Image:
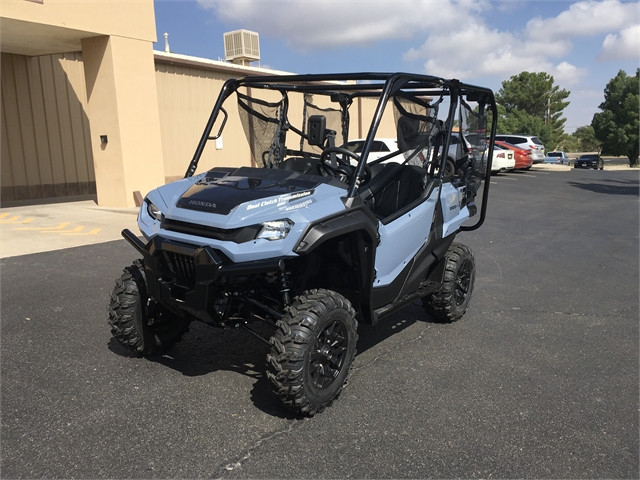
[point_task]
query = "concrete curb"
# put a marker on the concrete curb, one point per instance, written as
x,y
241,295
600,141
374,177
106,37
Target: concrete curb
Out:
x,y
566,168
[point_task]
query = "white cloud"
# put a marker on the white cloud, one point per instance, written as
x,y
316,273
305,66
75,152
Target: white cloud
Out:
x,y
622,46
331,24
584,19
567,74
458,40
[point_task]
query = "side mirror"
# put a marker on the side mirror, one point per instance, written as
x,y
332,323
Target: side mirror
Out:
x,y
316,130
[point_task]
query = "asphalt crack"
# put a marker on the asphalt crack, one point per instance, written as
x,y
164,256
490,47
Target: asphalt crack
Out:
x,y
229,467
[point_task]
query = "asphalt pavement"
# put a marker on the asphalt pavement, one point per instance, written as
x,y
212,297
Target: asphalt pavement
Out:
x,y
539,379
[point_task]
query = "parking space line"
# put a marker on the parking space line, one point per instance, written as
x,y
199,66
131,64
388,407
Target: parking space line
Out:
x,y
92,232
15,220
75,230
62,226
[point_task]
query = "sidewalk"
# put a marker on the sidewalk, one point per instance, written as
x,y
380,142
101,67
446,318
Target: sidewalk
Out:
x,y
566,168
44,228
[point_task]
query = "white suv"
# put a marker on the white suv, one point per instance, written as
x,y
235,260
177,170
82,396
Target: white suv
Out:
x,y
526,141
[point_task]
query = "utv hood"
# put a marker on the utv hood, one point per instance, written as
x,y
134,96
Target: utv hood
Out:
x,y
222,189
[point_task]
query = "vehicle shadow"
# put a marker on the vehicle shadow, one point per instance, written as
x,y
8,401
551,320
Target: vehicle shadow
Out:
x,y
613,187
205,350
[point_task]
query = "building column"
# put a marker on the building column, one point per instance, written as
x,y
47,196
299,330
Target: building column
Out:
x,y
122,105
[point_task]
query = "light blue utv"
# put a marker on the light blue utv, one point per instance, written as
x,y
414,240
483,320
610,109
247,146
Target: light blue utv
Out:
x,y
312,238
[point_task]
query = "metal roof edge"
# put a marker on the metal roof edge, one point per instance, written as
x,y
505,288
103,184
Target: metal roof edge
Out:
x,y
240,70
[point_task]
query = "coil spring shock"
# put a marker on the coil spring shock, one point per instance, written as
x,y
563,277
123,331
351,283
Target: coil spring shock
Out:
x,y
284,282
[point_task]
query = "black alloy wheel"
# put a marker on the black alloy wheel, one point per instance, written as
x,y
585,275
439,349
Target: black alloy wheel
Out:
x,y
312,351
328,355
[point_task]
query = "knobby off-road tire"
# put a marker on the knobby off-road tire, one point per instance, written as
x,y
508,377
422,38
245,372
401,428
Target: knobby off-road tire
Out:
x,y
312,351
129,317
450,301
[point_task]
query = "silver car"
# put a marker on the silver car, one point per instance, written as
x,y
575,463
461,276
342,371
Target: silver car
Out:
x,y
528,142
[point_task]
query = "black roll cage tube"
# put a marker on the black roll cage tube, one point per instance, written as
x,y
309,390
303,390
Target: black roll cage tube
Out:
x,y
422,84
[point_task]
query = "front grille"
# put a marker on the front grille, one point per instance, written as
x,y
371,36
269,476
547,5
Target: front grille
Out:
x,y
236,235
181,267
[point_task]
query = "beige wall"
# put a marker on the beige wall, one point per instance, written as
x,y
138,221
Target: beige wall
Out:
x,y
186,96
46,150
122,105
58,26
116,39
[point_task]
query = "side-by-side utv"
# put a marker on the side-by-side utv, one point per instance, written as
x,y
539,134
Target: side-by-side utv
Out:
x,y
313,237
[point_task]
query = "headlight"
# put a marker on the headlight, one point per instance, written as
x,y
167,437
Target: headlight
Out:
x,y
154,211
276,230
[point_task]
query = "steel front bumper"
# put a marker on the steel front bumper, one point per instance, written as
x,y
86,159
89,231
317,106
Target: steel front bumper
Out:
x,y
187,277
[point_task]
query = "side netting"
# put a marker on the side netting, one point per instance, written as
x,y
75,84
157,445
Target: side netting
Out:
x,y
419,133
336,121
264,124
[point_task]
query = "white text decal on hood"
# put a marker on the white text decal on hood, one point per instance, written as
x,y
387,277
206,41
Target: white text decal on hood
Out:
x,y
281,200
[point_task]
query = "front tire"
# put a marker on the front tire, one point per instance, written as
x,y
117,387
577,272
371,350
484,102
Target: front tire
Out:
x,y
449,303
312,351
142,331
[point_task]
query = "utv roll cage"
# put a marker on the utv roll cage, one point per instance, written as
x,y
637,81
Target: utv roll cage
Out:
x,y
343,89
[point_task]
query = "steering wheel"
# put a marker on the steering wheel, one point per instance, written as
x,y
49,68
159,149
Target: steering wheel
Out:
x,y
344,167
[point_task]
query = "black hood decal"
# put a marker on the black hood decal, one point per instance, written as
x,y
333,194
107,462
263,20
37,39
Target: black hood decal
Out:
x,y
222,189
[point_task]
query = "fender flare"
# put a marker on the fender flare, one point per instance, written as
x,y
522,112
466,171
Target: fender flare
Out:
x,y
361,225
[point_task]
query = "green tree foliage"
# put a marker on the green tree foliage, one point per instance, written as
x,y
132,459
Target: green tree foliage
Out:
x,y
586,139
582,140
531,104
617,126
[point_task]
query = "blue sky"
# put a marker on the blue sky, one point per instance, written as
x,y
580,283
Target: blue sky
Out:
x,y
583,44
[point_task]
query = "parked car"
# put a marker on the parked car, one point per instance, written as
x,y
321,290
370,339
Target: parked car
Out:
x,y
502,161
388,147
523,157
590,160
380,148
526,141
558,158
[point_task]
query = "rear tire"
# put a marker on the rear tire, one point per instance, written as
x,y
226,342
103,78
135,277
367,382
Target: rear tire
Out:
x,y
141,331
312,351
450,301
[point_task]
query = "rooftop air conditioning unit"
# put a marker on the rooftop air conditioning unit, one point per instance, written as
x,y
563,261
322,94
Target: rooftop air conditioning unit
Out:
x,y
241,47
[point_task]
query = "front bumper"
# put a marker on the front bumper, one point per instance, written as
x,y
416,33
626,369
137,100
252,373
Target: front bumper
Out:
x,y
188,277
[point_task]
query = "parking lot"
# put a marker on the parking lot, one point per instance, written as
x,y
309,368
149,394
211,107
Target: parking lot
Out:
x,y
539,379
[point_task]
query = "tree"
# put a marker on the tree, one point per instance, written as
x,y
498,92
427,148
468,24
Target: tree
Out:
x,y
533,105
582,140
586,139
522,122
617,126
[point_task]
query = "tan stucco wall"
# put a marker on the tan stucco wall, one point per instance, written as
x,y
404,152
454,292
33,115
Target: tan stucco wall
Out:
x,y
57,26
122,104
